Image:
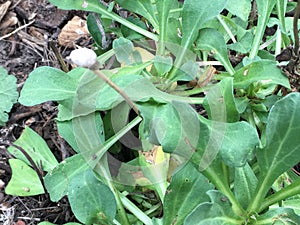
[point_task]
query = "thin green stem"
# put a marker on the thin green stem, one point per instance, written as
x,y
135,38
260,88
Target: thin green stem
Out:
x,y
281,8
126,23
117,88
289,191
193,91
260,193
102,169
264,11
227,29
222,185
135,210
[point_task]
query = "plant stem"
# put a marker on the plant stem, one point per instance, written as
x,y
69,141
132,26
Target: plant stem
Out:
x,y
295,28
102,169
221,184
260,193
227,29
264,11
126,23
117,88
135,210
289,191
28,157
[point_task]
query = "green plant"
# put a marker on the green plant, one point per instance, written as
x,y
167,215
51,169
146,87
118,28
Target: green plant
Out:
x,y
229,165
8,94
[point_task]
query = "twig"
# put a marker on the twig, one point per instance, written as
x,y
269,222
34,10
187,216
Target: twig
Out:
x,y
295,29
28,157
17,30
117,88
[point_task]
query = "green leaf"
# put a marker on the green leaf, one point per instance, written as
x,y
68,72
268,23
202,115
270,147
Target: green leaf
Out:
x,y
279,216
123,49
36,148
57,181
282,148
48,223
136,87
163,9
245,183
240,8
264,8
91,201
162,64
94,30
141,7
222,95
187,71
236,149
194,14
65,129
264,70
282,144
187,189
96,6
243,45
292,203
131,34
8,94
47,83
211,40
161,125
24,180
89,135
216,212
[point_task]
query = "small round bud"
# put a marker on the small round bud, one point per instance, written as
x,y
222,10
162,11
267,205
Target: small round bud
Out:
x,y
83,57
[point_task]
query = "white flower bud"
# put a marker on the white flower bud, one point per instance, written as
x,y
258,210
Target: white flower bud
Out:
x,y
83,57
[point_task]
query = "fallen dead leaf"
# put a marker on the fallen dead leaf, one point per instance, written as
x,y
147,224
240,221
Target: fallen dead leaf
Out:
x,y
72,31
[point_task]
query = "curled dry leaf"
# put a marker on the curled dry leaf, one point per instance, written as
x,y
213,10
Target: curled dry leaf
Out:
x,y
7,19
3,9
72,31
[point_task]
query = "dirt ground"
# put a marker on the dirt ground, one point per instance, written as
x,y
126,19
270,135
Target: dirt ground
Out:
x,y
29,39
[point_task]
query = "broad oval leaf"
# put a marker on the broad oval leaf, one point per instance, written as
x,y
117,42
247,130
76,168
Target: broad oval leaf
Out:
x,y
187,189
91,200
263,70
47,84
236,149
216,212
57,181
24,180
282,150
